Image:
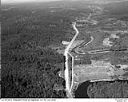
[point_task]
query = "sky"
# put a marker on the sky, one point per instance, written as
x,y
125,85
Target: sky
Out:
x,y
17,1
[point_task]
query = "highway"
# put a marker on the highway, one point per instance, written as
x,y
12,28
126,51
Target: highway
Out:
x,y
67,54
66,61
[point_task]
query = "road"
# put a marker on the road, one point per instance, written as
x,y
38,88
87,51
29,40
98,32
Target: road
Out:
x,y
82,44
66,61
67,54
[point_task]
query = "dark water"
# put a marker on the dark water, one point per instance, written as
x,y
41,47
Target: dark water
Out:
x,y
81,91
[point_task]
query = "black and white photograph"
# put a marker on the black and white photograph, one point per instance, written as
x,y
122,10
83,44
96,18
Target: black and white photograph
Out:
x,y
64,49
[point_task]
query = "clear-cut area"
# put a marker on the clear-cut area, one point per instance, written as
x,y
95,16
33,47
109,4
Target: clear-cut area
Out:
x,y
98,52
98,70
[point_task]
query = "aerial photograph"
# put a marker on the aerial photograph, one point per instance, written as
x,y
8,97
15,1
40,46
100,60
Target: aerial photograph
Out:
x,y
72,49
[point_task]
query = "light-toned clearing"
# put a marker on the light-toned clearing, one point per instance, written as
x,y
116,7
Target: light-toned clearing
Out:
x,y
106,42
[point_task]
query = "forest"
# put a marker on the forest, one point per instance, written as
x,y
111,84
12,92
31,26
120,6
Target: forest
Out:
x,y
113,89
28,65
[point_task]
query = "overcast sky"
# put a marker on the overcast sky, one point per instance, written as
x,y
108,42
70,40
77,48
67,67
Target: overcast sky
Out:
x,y
14,1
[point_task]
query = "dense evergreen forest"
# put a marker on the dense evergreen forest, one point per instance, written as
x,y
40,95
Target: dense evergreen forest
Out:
x,y
28,64
113,89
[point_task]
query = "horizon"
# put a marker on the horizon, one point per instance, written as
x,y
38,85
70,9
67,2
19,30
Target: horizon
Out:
x,y
24,1
37,1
